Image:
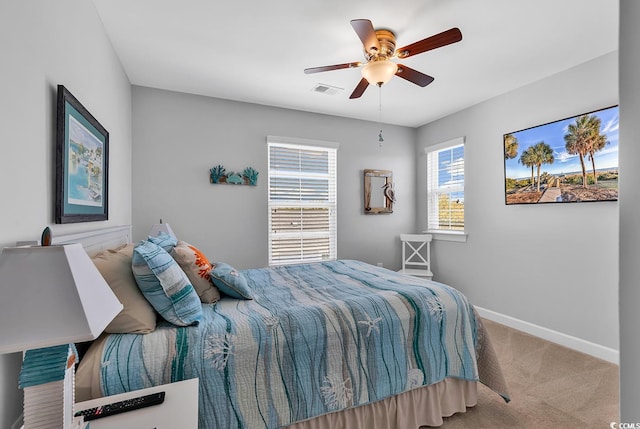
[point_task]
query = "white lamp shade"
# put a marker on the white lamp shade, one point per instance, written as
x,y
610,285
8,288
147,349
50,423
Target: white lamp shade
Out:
x,y
51,295
157,228
379,72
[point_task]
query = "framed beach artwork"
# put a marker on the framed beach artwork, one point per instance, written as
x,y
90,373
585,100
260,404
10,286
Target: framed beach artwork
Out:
x,y
82,163
565,161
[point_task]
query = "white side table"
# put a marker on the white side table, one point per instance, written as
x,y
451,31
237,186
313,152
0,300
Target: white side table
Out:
x,y
179,409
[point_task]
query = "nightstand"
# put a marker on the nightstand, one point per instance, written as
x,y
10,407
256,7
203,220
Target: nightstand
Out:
x,y
179,409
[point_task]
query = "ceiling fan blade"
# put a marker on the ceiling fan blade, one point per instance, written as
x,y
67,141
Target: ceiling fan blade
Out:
x,y
445,38
334,67
413,76
366,33
362,86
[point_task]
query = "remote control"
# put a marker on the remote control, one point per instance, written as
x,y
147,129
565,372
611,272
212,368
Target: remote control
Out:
x,y
121,406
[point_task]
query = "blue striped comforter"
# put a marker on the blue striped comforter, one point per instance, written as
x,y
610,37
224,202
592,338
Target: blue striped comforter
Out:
x,y
317,338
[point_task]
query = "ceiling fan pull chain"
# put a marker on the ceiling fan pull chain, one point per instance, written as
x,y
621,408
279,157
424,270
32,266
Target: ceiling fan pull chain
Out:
x,y
380,138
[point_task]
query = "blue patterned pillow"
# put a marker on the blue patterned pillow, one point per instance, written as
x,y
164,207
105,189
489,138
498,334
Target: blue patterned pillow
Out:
x,y
165,285
164,240
230,281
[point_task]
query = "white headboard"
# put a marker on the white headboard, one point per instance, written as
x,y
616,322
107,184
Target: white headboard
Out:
x,y
97,240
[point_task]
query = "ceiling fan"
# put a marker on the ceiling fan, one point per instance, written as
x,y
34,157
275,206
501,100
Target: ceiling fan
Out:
x,y
379,47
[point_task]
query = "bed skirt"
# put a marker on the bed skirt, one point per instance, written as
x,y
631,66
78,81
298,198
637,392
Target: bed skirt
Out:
x,y
425,406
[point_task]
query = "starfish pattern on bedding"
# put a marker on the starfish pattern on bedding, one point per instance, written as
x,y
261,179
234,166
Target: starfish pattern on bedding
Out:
x,y
371,323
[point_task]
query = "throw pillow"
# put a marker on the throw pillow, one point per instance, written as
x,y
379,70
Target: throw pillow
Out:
x,y
165,285
137,317
163,240
197,267
230,281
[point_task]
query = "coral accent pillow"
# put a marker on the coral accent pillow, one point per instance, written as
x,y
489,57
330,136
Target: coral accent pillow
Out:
x,y
197,267
165,285
137,317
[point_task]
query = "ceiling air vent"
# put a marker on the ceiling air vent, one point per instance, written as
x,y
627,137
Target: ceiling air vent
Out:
x,y
323,88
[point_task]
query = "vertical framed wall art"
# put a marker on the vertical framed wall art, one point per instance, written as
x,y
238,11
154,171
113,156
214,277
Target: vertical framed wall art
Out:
x,y
379,194
82,163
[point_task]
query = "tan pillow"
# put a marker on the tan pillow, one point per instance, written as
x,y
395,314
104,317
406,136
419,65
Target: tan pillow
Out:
x,y
138,316
197,267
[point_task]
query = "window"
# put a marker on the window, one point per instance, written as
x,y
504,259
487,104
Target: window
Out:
x,y
302,200
445,186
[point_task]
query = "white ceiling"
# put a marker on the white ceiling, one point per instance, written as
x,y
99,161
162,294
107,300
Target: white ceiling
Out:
x,y
256,50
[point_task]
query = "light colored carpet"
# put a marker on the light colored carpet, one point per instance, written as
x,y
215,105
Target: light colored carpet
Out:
x,y
551,387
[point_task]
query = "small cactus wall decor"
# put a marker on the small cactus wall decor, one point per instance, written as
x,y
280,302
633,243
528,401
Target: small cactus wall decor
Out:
x,y
219,175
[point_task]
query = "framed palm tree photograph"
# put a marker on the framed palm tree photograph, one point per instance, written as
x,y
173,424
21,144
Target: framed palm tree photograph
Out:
x,y
566,161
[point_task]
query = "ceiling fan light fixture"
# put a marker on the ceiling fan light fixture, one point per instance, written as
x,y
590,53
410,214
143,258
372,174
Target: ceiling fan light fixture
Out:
x,y
379,72
379,47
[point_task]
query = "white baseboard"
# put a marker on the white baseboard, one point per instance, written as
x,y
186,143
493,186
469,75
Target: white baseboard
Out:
x,y
575,343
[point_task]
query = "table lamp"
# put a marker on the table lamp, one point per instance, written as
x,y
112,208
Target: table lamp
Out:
x,y
50,298
157,228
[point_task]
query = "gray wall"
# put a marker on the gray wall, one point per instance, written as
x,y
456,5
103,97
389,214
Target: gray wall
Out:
x,y
179,137
629,208
43,44
551,265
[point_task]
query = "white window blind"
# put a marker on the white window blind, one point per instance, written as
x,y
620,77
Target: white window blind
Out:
x,y
445,186
302,202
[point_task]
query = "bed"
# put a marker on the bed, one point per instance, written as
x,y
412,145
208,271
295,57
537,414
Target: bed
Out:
x,y
330,344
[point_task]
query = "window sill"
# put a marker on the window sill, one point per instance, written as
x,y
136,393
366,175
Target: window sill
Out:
x,y
459,237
